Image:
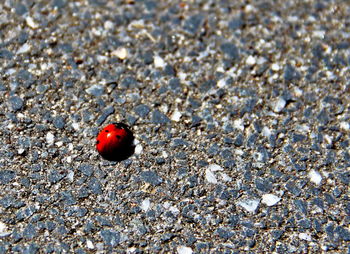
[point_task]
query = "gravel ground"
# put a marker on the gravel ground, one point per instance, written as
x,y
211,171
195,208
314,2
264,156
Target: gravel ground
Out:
x,y
240,112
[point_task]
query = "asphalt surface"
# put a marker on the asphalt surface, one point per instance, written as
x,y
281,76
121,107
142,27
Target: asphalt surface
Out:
x,y
240,112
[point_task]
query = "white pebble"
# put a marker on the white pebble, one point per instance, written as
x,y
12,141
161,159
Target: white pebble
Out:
x,y
279,105
238,124
138,149
70,175
266,132
270,199
225,177
221,83
3,230
210,176
108,25
176,115
275,67
50,138
250,60
21,151
24,49
89,244
250,205
146,204
305,236
315,177
31,23
345,126
215,167
184,250
159,62
121,52
76,126
298,92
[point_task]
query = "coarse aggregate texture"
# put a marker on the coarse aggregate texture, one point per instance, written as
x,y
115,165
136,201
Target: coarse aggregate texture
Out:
x,y
240,110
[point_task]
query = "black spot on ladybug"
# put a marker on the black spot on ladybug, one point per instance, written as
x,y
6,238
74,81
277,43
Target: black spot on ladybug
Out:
x,y
117,136
106,130
97,142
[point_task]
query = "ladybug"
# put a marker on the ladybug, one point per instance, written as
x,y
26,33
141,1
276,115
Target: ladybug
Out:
x,y
115,142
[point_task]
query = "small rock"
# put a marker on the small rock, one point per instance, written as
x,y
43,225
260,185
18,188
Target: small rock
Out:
x,y
159,62
110,238
31,23
250,205
345,126
230,50
16,103
146,204
89,244
279,105
95,90
159,118
25,48
209,175
315,177
275,67
176,115
151,177
270,199
7,176
3,230
142,110
184,250
250,60
50,138
121,52
305,236
193,24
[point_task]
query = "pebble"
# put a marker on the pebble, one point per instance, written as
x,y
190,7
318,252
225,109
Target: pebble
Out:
x,y
159,62
6,176
275,67
31,23
121,52
315,177
184,250
25,48
176,116
270,199
193,24
50,138
151,177
279,105
305,236
110,237
16,103
250,205
3,230
145,205
159,118
230,50
95,90
250,60
142,110
210,176
345,126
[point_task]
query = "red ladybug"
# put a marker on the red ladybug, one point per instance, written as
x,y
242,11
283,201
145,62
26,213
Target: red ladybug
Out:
x,y
115,142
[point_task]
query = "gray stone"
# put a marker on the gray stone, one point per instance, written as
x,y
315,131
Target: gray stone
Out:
x,y
110,238
151,177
